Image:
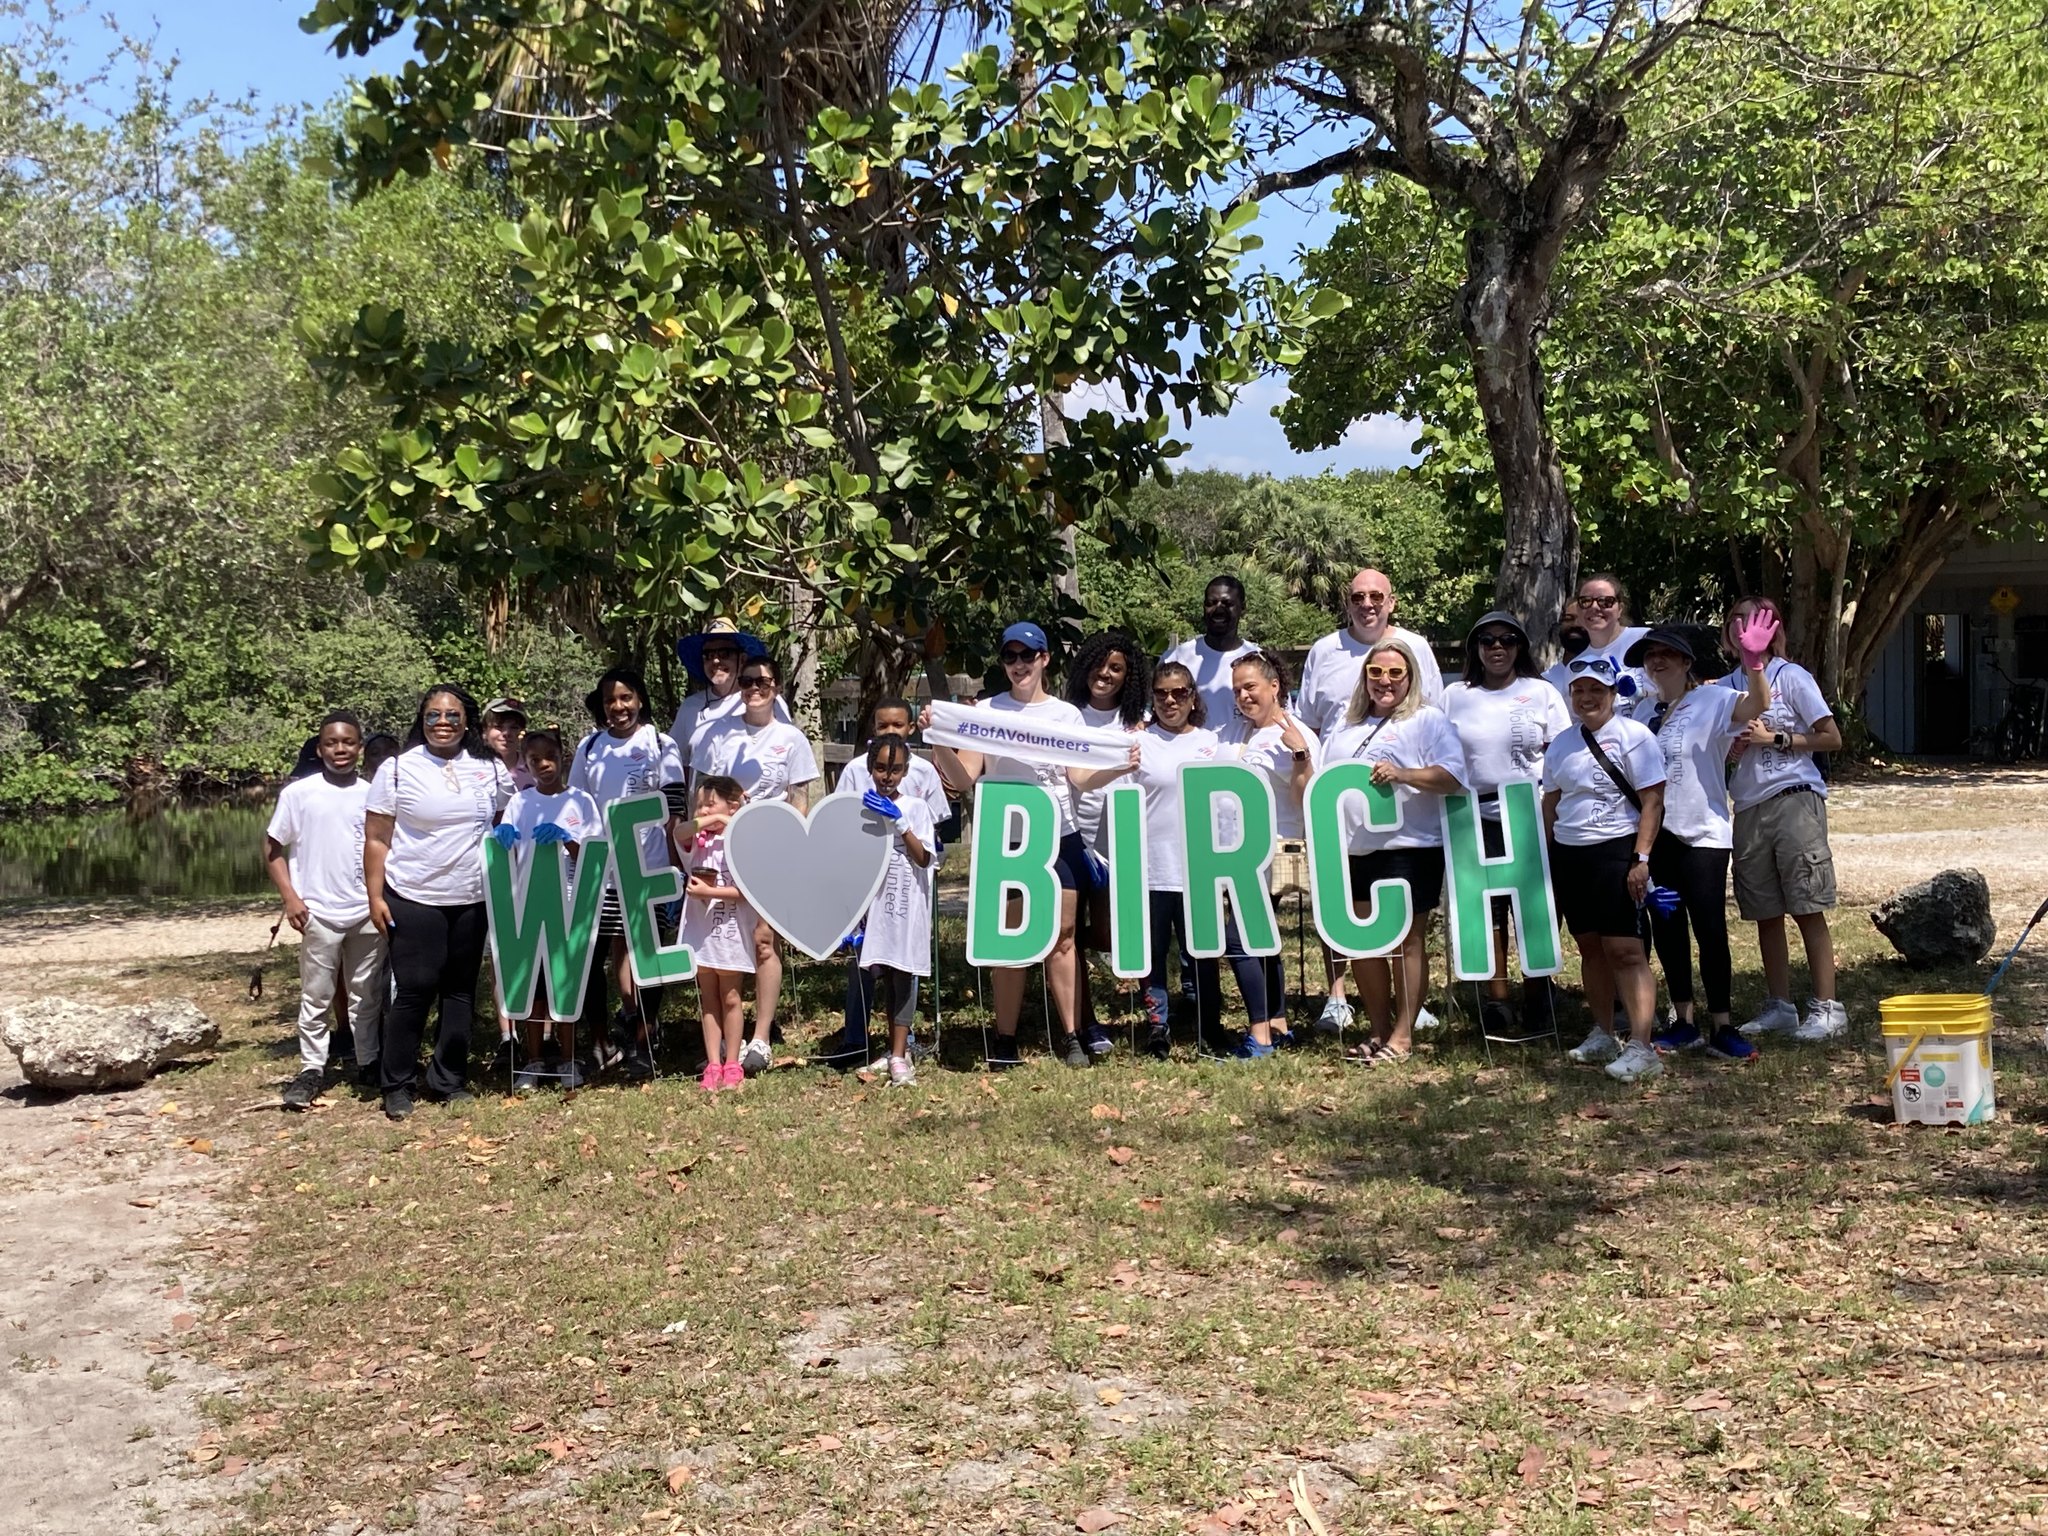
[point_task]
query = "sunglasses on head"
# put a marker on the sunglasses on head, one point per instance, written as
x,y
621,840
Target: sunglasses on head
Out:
x,y
1596,667
1012,658
1386,674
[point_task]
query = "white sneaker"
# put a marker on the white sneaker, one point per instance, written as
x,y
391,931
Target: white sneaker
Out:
x,y
1425,1021
1779,1017
1636,1062
1335,1017
901,1073
1823,1022
754,1057
1595,1050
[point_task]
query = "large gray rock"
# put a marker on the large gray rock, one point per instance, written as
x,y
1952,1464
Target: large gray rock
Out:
x,y
1939,921
65,1044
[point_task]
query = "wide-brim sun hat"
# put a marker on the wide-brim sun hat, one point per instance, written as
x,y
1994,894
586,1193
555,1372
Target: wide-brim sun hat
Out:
x,y
690,649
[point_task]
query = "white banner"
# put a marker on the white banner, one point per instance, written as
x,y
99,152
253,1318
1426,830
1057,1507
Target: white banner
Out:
x,y
1014,733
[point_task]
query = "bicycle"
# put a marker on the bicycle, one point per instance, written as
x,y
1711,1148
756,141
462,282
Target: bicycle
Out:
x,y
2020,730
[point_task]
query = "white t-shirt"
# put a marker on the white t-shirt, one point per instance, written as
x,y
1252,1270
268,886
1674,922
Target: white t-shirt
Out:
x,y
698,714
720,933
1591,807
1614,650
1211,669
921,781
1425,739
768,760
1088,804
611,768
1049,713
320,826
1694,739
1330,675
1797,705
1504,731
440,809
573,810
899,925
1160,756
1264,750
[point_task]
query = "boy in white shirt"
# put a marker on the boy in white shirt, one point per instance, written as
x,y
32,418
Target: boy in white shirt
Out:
x,y
313,851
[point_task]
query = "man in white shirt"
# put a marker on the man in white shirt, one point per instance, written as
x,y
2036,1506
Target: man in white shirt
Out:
x,y
1209,655
1328,679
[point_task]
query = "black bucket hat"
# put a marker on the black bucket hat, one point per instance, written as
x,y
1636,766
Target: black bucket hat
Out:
x,y
1501,617
1670,636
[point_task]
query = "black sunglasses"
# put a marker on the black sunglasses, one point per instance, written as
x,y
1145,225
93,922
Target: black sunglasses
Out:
x,y
1015,658
1496,639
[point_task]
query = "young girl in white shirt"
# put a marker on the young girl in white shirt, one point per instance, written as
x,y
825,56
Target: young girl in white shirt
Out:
x,y
718,925
896,947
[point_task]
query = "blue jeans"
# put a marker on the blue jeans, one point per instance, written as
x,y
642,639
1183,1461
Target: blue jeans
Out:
x,y
1257,978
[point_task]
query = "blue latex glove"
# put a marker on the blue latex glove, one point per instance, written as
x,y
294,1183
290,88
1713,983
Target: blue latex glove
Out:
x,y
549,832
1098,871
882,805
505,836
1662,900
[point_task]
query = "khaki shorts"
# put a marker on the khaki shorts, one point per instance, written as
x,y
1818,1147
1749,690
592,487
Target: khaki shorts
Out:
x,y
1783,866
1289,870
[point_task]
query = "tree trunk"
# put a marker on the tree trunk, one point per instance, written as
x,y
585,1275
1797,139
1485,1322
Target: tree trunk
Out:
x,y
1502,309
806,626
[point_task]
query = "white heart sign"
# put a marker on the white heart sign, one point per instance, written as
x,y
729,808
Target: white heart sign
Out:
x,y
814,878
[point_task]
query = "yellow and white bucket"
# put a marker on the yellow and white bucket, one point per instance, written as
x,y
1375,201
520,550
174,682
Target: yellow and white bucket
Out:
x,y
1938,1055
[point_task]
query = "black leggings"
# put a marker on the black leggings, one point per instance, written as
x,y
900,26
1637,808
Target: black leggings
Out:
x,y
1169,917
436,952
1700,876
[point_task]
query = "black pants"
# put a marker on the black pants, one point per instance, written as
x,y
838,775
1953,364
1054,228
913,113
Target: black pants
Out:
x,y
1700,876
436,953
1202,979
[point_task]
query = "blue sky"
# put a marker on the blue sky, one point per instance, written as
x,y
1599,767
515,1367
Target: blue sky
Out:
x,y
238,49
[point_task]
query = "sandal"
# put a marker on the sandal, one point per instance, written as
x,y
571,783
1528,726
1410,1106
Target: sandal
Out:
x,y
1389,1055
1363,1055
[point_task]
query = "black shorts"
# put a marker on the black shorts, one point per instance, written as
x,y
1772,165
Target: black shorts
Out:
x,y
1071,864
1591,881
1422,868
1490,838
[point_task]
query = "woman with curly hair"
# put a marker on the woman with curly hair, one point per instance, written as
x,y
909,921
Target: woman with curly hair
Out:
x,y
1110,682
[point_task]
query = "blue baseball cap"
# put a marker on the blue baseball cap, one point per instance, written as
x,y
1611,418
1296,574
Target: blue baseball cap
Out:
x,y
1026,633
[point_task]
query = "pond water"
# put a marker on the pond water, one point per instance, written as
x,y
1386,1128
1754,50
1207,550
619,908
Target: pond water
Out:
x,y
176,853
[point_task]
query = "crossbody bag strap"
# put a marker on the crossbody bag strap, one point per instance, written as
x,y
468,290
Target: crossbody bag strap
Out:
x,y
1600,756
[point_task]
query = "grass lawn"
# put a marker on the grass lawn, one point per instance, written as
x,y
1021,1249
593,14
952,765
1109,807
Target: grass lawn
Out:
x,y
1445,1297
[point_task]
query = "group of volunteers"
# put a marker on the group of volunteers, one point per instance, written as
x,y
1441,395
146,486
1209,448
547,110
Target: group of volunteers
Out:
x,y
1664,755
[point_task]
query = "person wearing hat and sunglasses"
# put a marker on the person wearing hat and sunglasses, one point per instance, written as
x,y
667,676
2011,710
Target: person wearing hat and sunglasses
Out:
x,y
1694,727
1025,655
713,657
1505,714
504,734
1603,800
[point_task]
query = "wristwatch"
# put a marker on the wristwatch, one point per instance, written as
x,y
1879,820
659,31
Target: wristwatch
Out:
x,y
1301,756
1782,740
1642,858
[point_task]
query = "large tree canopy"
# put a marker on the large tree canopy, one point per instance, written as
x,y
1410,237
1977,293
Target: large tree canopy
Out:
x,y
777,342
1801,345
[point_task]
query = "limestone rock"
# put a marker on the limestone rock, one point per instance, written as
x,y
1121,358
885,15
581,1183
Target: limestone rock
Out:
x,y
1939,921
62,1043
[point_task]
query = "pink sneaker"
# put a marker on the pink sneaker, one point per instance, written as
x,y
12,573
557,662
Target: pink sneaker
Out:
x,y
713,1078
731,1075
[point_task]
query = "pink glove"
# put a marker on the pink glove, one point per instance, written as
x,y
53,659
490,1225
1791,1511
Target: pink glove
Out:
x,y
1754,637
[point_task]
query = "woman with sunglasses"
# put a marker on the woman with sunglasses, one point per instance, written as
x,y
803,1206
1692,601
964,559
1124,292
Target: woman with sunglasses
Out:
x,y
1267,738
423,827
1413,749
627,755
1694,727
1109,684
1178,735
1602,613
712,657
1603,801
771,760
1784,866
1024,656
1505,715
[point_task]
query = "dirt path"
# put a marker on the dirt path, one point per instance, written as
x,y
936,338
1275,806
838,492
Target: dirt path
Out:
x,y
99,1197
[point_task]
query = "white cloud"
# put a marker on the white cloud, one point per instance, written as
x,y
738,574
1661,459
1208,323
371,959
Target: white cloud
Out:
x,y
1250,441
